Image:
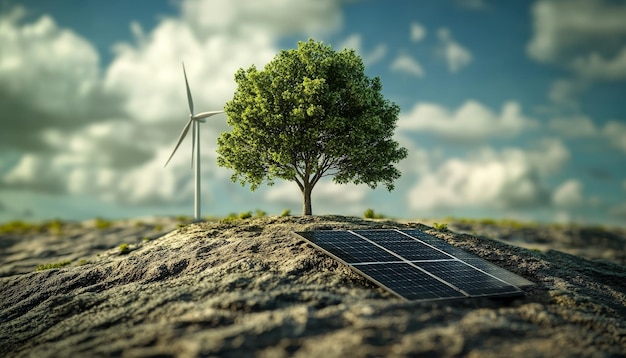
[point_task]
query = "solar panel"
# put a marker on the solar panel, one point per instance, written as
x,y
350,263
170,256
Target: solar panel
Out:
x,y
470,259
414,265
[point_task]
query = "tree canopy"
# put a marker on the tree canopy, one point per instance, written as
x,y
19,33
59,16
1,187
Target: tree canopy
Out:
x,y
311,112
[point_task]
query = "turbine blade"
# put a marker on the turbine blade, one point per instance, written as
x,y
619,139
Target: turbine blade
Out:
x,y
180,139
189,99
193,143
206,114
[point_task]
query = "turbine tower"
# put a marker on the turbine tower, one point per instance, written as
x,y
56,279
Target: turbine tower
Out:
x,y
194,122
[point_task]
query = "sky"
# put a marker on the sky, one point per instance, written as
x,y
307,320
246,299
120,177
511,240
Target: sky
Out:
x,y
509,109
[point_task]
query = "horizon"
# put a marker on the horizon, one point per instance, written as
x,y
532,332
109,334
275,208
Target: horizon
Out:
x,y
508,110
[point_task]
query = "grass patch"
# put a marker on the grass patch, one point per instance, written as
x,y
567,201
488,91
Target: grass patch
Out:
x,y
371,214
286,212
124,249
103,224
245,215
440,227
51,266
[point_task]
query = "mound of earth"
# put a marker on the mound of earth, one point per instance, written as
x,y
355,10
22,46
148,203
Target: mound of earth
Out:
x,y
253,288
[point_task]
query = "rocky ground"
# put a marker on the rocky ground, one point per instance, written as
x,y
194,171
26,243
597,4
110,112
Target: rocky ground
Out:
x,y
252,288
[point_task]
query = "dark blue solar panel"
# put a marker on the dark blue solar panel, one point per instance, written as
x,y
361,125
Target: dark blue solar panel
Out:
x,y
415,265
408,281
405,246
471,259
475,283
498,272
348,247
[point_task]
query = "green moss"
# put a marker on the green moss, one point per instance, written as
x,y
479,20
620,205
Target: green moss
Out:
x,y
440,227
245,215
371,214
124,249
184,219
103,223
15,227
146,239
82,262
53,265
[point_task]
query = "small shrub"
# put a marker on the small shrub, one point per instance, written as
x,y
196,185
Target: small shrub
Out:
x,y
124,249
15,227
260,213
245,215
183,219
158,227
286,212
440,227
370,214
181,225
55,226
53,265
139,224
146,239
487,221
102,223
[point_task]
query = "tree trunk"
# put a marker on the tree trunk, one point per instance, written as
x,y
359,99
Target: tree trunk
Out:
x,y
306,206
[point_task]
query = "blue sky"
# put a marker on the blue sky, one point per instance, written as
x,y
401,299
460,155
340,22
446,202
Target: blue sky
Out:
x,y
509,109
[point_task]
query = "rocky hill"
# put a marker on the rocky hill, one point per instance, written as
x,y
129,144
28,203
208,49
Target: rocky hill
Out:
x,y
253,288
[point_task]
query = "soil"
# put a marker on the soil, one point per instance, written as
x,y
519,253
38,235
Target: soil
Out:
x,y
253,288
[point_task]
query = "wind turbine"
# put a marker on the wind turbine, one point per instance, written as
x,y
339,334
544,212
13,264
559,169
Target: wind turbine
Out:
x,y
194,123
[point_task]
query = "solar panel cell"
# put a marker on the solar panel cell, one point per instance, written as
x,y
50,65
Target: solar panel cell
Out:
x,y
348,247
466,278
471,259
408,281
406,247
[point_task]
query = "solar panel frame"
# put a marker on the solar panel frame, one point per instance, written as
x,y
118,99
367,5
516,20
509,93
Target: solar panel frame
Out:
x,y
424,273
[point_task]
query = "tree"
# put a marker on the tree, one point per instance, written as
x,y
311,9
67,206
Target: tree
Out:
x,y
311,112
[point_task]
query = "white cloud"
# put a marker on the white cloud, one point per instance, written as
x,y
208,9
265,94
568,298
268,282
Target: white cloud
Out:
x,y
512,178
418,32
584,36
119,156
569,194
407,64
49,77
615,132
575,126
355,41
274,17
564,28
471,122
456,56
565,91
596,66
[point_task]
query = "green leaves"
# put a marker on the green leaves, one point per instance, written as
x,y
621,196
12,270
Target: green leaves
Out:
x,y
310,112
